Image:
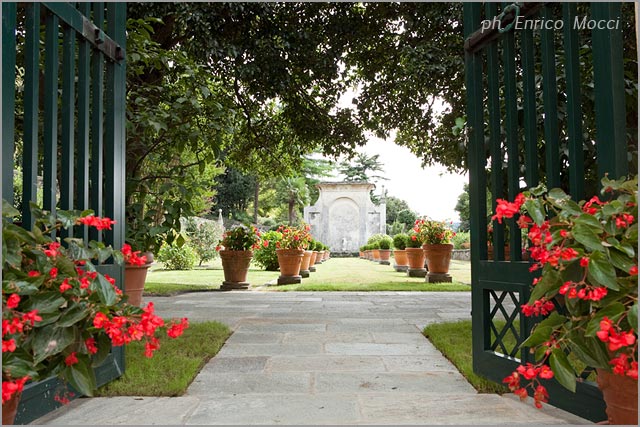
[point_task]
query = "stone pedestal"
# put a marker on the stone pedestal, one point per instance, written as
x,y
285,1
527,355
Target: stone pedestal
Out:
x,y
289,280
401,268
305,273
312,269
417,272
438,278
232,286
385,263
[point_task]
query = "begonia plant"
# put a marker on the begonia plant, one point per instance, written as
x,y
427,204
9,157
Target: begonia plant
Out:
x,y
587,255
60,315
432,232
241,238
294,237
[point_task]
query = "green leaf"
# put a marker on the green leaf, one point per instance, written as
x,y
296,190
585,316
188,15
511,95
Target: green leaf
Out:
x,y
590,220
17,366
26,288
103,342
47,302
562,369
543,330
601,271
588,351
535,209
51,340
73,315
588,237
612,311
620,260
633,314
9,211
81,376
105,291
550,281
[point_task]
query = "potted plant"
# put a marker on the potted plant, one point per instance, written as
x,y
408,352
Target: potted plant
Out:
x,y
290,252
60,316
135,274
266,255
361,252
385,250
327,251
587,255
319,249
236,252
399,252
314,255
415,256
436,243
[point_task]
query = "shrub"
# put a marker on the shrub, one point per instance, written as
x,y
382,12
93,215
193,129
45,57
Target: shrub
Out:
x,y
377,237
266,256
400,241
318,246
460,239
385,243
203,238
177,258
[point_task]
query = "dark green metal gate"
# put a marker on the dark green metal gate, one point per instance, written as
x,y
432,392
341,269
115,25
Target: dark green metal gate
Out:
x,y
63,124
532,91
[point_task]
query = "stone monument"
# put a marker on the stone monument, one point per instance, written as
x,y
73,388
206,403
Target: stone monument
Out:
x,y
344,217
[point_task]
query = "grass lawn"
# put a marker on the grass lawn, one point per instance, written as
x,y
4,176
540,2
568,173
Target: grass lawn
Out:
x,y
454,341
173,367
336,274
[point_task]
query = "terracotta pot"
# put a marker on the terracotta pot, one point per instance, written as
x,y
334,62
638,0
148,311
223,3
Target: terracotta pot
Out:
x,y
320,257
326,255
438,257
415,258
400,257
507,253
235,265
306,261
134,278
10,409
314,256
361,254
385,254
290,261
621,396
376,255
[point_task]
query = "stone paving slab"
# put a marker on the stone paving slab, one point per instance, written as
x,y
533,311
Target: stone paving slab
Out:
x,y
340,358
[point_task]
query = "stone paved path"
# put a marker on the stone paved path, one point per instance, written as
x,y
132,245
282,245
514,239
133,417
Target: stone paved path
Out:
x,y
319,358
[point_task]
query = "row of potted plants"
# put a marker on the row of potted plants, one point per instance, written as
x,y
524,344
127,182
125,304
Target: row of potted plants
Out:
x,y
60,315
297,253
428,240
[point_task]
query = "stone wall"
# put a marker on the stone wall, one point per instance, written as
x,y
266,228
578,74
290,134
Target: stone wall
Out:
x,y
461,254
344,216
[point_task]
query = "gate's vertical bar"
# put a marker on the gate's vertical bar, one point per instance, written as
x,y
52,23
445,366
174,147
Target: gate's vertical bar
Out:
x,y
495,137
477,176
31,108
574,110
550,99
82,136
97,129
115,127
513,154
529,109
68,120
50,112
609,92
8,96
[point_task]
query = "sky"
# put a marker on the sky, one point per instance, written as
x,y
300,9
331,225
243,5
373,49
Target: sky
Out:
x,y
430,191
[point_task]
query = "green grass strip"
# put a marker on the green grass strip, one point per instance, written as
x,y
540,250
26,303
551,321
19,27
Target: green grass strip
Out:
x,y
173,367
454,342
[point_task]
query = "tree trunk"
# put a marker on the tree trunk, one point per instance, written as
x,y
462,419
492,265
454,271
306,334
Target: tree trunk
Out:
x,y
292,205
256,194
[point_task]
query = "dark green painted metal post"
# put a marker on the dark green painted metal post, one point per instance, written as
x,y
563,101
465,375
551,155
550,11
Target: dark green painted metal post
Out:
x,y
68,107
550,97
97,120
477,178
529,109
31,111
574,110
8,97
609,91
50,172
